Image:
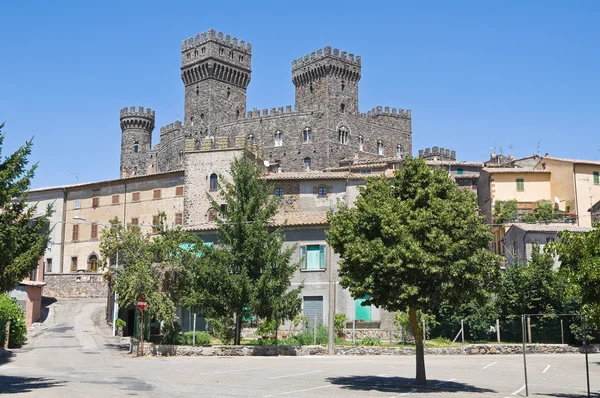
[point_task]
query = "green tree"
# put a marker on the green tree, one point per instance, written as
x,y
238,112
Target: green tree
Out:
x,y
24,235
156,267
505,210
579,254
544,210
249,273
413,243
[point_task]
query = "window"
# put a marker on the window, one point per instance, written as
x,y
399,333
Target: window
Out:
x,y
135,197
313,257
214,182
223,207
94,234
48,265
515,250
307,164
212,215
343,86
73,264
178,218
134,222
156,194
93,263
399,151
115,199
313,310
221,51
366,171
95,202
179,191
379,147
343,136
548,240
307,135
342,107
155,226
228,93
136,147
75,232
520,185
279,192
596,178
361,312
361,143
459,171
77,204
322,192
278,139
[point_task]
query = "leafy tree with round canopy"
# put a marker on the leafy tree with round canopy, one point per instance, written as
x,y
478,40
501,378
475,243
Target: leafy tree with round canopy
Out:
x,y
413,243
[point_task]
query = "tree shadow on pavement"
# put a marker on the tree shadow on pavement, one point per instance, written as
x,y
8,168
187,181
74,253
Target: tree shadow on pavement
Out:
x,y
563,395
403,384
19,384
46,302
117,346
5,356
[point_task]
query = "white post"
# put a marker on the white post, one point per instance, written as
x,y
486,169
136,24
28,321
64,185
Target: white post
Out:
x,y
315,330
498,330
462,330
115,315
194,331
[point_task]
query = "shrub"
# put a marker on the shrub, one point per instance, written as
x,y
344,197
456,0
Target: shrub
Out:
x,y
172,333
339,323
322,334
120,324
9,309
305,338
370,341
223,329
266,329
202,338
291,341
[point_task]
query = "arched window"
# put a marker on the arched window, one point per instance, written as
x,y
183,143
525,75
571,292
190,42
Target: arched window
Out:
x,y
192,120
307,164
214,182
136,147
361,143
279,192
322,192
399,151
307,135
93,262
343,135
379,147
343,86
278,139
342,107
228,93
212,215
251,138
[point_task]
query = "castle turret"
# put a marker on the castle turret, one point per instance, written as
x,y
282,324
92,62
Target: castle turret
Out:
x,y
215,71
327,80
136,140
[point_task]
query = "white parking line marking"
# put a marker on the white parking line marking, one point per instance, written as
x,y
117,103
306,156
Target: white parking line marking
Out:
x,y
295,391
406,393
519,390
487,366
225,371
444,382
295,374
545,370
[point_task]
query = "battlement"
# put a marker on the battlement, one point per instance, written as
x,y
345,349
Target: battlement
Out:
x,y
324,53
217,37
170,127
208,144
437,153
141,112
266,112
386,111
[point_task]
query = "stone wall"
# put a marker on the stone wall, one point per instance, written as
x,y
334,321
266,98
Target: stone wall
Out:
x,y
90,285
473,349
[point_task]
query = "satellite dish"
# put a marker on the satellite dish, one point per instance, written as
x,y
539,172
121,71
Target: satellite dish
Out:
x,y
266,163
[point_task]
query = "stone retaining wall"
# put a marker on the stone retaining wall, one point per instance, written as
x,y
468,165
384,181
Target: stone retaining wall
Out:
x,y
474,349
90,285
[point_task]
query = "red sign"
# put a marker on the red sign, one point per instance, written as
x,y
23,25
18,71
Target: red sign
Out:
x,y
142,304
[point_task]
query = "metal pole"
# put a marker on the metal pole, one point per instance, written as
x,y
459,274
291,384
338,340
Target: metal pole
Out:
x,y
194,331
462,331
141,349
562,334
524,332
587,365
498,330
528,329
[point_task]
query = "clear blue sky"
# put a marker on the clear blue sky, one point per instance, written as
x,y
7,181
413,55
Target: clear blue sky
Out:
x,y
513,75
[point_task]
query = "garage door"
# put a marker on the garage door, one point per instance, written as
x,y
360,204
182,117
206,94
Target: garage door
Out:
x,y
313,309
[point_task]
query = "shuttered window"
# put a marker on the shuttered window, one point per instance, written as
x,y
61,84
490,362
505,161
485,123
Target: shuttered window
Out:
x,y
135,221
313,257
178,218
179,191
95,202
94,234
154,224
156,194
75,232
73,264
596,178
135,197
520,185
115,199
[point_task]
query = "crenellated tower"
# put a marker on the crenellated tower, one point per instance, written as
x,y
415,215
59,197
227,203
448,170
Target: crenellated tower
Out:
x,y
136,140
215,71
327,80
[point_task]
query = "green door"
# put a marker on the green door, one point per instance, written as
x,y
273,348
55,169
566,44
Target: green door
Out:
x,y
362,312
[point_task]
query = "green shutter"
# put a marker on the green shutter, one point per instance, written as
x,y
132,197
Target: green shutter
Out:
x,y
520,185
303,257
322,257
360,311
596,178
459,171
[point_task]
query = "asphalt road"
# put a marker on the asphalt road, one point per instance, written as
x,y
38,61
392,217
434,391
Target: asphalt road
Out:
x,y
74,355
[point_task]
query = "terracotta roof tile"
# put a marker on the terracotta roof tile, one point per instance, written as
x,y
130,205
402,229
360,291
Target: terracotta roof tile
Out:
x,y
552,227
312,176
283,219
499,170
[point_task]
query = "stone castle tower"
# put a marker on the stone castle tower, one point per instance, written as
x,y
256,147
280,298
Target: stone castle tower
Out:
x,y
325,127
136,140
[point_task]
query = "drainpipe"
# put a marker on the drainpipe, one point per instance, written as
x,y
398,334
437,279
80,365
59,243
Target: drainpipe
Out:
x,y
63,231
576,199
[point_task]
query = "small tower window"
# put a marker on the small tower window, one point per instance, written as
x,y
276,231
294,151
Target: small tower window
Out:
x,y
221,51
214,182
203,50
197,91
228,93
342,107
361,143
237,113
379,147
279,192
307,164
343,136
343,87
93,263
278,139
136,147
192,120
312,90
202,116
251,138
399,151
307,135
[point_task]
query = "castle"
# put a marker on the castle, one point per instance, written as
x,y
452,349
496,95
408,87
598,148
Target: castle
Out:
x,y
324,128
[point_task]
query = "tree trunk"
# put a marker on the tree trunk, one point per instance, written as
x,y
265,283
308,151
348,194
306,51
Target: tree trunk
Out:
x,y
238,331
421,379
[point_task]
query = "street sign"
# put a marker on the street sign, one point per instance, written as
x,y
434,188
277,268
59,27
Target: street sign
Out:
x,y
142,304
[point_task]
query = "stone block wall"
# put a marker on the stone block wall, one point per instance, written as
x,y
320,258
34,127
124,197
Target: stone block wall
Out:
x,y
89,285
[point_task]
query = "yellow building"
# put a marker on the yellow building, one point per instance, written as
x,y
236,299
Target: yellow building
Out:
x,y
575,185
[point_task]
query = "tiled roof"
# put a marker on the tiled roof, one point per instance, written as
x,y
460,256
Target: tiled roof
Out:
x,y
105,181
577,161
453,163
553,227
297,218
465,176
312,176
499,170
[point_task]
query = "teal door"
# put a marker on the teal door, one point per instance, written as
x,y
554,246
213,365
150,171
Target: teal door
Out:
x,y
362,312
